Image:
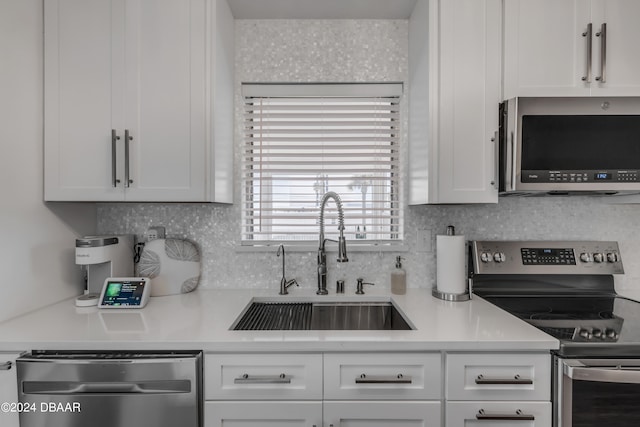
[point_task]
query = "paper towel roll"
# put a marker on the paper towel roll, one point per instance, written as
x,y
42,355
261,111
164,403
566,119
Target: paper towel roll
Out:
x,y
450,265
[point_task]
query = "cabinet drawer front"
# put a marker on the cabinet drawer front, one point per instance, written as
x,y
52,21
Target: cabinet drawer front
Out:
x,y
382,414
403,376
498,376
263,414
498,414
263,376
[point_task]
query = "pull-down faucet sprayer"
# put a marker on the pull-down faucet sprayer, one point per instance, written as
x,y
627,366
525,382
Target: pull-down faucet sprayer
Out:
x,y
342,243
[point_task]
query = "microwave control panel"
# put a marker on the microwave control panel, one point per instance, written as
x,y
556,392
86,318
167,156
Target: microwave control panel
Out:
x,y
580,176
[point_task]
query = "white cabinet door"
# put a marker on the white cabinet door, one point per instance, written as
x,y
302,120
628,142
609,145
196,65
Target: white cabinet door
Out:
x,y
455,74
8,388
263,414
469,83
620,47
545,48
83,96
554,48
165,99
133,89
381,414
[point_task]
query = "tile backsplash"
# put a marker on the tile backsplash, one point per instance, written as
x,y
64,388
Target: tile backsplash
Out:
x,y
360,51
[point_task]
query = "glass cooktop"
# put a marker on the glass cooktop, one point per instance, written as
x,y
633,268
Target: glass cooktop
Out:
x,y
584,324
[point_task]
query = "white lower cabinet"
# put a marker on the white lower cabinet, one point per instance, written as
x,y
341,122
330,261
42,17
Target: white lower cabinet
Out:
x,y
323,390
498,389
8,389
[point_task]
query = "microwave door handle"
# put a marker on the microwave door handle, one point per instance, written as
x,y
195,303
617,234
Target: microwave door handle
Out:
x,y
603,374
589,35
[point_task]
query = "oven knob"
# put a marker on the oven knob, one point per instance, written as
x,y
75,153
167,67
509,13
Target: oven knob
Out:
x,y
584,257
598,257
611,334
597,333
499,257
485,257
584,333
612,257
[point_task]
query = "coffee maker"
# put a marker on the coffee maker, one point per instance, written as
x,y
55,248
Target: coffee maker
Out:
x,y
103,257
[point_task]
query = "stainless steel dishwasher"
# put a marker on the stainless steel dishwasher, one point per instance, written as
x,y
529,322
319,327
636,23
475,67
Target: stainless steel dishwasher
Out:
x,y
110,389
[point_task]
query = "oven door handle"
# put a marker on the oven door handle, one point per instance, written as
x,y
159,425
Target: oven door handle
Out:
x,y
611,374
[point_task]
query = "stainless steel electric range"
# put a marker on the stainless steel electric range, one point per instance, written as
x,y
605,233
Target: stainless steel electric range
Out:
x,y
566,288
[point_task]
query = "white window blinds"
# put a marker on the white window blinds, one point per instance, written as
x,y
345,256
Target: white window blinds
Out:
x,y
301,141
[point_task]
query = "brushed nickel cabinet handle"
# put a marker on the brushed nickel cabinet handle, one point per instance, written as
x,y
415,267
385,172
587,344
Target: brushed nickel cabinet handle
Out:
x,y
6,366
589,35
480,379
383,379
127,175
517,416
263,379
496,155
602,78
114,172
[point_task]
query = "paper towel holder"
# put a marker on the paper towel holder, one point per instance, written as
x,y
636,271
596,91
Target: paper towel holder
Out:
x,y
466,296
447,296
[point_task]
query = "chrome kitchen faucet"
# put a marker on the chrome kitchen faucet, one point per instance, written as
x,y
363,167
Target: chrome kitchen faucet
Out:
x,y
284,283
342,243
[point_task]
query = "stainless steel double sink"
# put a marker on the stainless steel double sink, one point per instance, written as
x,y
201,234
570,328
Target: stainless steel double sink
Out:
x,y
320,315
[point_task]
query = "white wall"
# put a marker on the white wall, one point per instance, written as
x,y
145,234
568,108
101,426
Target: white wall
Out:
x,y
36,240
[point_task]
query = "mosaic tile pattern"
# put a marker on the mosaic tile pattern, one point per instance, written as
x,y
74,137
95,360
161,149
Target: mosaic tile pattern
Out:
x,y
359,51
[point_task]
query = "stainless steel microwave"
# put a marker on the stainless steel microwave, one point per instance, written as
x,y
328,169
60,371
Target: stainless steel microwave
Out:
x,y
573,145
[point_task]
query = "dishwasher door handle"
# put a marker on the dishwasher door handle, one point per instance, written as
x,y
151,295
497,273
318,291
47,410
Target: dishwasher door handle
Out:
x,y
117,387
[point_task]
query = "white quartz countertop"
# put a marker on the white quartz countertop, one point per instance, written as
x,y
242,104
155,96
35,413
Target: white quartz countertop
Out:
x,y
201,320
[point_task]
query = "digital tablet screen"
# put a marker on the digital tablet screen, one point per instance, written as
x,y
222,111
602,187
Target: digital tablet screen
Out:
x,y
120,293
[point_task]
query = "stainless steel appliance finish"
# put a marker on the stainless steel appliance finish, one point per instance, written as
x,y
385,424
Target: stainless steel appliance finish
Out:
x,y
569,145
270,316
597,392
65,389
567,290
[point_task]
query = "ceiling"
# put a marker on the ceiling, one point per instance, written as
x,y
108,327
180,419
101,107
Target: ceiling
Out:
x,y
321,9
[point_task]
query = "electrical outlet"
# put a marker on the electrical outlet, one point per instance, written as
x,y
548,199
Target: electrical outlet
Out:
x,y
154,233
424,241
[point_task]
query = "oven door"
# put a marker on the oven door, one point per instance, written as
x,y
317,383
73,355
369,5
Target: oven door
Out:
x,y
597,392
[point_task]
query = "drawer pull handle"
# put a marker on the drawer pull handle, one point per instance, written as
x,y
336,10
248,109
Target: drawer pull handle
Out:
x,y
383,379
263,379
515,380
518,416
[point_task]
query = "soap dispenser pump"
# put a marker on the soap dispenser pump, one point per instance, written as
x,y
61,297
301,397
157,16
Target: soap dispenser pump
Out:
x,y
398,278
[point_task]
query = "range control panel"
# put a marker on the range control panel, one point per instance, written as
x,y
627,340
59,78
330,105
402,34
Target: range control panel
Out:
x,y
546,257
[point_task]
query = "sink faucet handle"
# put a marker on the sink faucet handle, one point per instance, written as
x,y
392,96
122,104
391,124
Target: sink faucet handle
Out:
x,y
360,286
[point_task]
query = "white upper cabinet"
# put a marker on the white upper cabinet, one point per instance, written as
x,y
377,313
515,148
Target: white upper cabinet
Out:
x,y
455,88
571,48
129,111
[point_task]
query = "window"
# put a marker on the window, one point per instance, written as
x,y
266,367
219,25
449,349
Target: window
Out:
x,y
302,140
